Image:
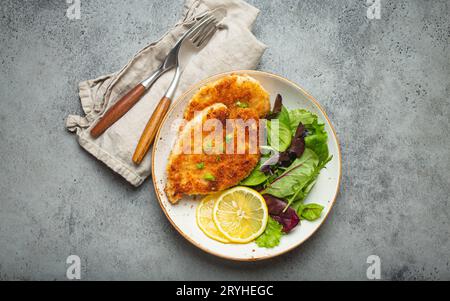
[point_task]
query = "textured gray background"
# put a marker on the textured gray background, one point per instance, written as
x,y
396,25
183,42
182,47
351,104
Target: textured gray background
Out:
x,y
384,83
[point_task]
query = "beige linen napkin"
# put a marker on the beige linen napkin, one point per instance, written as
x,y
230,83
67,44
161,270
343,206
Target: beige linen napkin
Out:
x,y
233,47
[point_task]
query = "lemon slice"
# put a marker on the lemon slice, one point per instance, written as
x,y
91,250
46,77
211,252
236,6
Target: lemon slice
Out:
x,y
205,221
240,214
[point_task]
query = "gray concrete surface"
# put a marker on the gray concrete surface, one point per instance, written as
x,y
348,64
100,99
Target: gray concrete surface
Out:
x,y
384,83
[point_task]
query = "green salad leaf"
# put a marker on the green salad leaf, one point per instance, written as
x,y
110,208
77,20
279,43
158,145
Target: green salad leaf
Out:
x,y
291,184
284,135
283,117
295,177
310,212
317,141
317,137
301,115
255,178
271,236
301,194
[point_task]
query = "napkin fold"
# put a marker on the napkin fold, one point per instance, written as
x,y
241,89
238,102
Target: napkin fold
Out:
x,y
233,47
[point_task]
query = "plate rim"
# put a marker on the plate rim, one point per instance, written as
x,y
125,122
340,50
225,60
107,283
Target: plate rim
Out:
x,y
198,84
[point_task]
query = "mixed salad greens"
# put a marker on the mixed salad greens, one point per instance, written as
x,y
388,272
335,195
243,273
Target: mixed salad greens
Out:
x,y
296,152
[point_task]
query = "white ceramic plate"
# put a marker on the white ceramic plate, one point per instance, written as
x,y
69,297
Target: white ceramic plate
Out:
x,y
182,215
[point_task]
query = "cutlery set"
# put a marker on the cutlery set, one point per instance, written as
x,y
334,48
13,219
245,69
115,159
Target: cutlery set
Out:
x,y
190,43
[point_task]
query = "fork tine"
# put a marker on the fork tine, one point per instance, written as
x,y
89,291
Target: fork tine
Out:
x,y
204,32
199,27
205,28
207,36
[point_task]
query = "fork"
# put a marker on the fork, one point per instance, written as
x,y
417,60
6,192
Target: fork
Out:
x,y
193,42
199,31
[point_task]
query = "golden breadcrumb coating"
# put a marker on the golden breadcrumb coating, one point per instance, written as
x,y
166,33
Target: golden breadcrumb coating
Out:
x,y
217,166
234,91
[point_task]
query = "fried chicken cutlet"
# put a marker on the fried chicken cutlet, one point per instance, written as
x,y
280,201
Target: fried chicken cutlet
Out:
x,y
215,163
234,91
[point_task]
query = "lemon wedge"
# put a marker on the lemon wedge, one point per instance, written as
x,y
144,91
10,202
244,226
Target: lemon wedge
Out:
x,y
240,214
205,221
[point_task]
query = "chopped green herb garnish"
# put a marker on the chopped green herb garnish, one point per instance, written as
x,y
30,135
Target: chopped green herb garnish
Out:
x,y
218,158
200,165
241,104
209,177
228,138
207,145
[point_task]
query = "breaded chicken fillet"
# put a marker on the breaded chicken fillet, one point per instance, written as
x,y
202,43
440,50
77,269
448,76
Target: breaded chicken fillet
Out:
x,y
234,91
215,163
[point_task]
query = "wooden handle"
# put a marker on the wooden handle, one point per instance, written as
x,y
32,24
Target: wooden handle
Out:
x,y
118,110
150,130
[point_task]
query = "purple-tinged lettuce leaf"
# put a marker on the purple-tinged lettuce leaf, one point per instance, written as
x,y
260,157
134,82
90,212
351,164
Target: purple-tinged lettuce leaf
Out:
x,y
298,142
277,106
288,218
